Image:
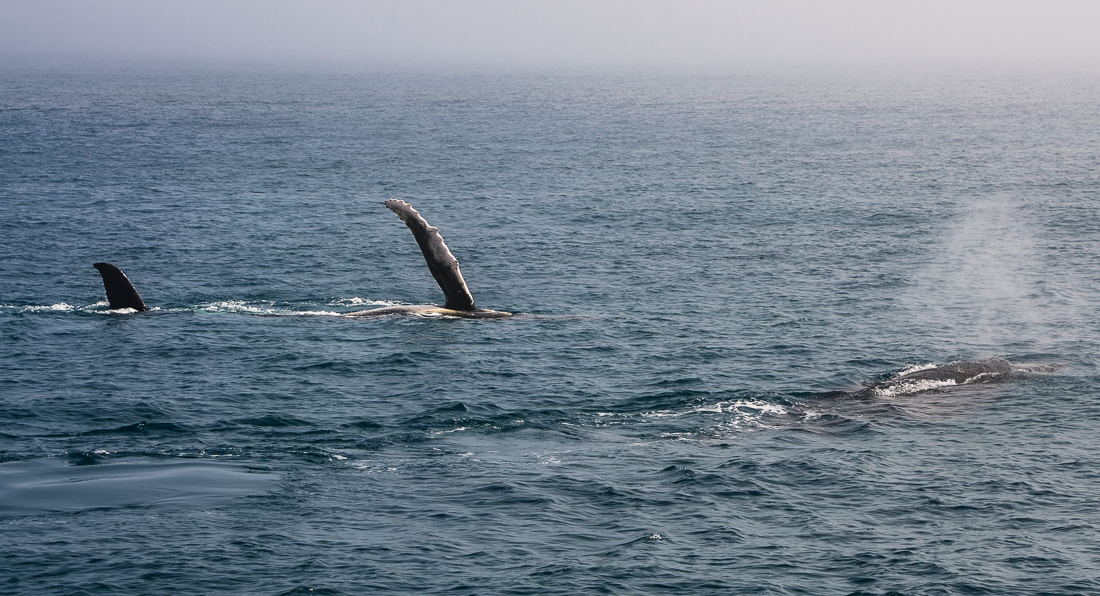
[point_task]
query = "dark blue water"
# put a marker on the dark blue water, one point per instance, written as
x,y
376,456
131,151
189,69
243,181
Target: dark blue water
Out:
x,y
701,259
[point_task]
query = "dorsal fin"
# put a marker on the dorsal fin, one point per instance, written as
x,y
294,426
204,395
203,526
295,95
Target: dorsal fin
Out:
x,y
442,264
120,292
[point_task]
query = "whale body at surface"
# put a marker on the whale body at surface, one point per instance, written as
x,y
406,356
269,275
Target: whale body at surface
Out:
x,y
960,373
967,372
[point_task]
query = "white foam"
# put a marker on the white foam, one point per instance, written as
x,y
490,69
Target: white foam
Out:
x,y
59,307
234,306
357,301
719,417
264,308
64,307
911,387
912,368
459,429
722,407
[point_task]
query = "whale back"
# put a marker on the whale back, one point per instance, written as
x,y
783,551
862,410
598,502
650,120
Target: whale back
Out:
x,y
962,372
442,264
120,292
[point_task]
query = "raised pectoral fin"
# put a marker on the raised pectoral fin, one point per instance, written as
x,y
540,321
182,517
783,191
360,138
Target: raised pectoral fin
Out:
x,y
442,264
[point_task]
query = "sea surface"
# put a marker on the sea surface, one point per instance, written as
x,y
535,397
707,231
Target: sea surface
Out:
x,y
703,264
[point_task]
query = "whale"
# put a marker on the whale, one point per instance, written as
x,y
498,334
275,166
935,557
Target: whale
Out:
x,y
443,267
120,292
937,378
441,263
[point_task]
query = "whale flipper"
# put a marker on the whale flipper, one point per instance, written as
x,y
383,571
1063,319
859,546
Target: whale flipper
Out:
x,y
442,264
120,292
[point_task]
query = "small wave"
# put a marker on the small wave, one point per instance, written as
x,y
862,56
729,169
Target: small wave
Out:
x,y
273,421
142,427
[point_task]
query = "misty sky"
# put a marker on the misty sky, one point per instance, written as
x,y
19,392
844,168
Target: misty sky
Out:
x,y
589,32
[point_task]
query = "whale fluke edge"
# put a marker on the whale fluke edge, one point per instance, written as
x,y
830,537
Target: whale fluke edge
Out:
x,y
444,268
120,292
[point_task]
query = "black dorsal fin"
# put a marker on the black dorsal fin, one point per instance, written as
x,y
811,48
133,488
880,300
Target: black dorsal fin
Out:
x,y
442,264
120,292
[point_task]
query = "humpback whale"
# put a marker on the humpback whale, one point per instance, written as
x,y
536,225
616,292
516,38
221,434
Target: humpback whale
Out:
x,y
442,264
444,268
120,292
968,372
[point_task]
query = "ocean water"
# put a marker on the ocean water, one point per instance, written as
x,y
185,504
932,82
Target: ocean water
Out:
x,y
703,263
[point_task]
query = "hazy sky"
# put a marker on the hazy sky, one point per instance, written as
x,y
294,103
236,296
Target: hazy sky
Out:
x,y
588,32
